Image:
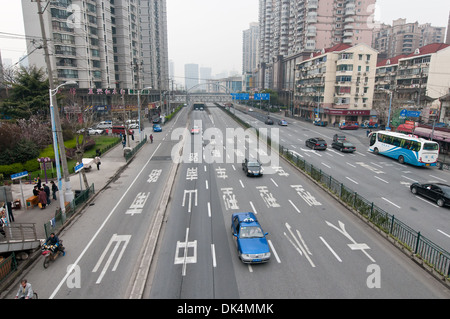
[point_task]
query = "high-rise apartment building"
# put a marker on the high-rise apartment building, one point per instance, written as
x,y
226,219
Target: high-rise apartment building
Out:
x,y
404,38
288,27
191,75
250,48
102,44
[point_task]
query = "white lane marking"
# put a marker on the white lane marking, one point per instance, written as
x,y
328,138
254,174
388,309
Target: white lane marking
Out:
x,y
213,252
253,207
350,164
443,233
352,180
381,179
274,182
274,251
387,200
209,209
438,178
413,180
326,165
295,207
242,184
331,249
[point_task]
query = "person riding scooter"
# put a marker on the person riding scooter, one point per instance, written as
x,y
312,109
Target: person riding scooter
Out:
x,y
54,244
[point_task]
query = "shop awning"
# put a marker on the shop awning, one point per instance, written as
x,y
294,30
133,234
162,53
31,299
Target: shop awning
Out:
x,y
437,135
405,128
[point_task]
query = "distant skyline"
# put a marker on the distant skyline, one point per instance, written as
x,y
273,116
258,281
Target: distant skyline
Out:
x,y
209,32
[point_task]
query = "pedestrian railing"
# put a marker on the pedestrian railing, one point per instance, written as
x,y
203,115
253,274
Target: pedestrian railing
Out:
x,y
431,254
130,154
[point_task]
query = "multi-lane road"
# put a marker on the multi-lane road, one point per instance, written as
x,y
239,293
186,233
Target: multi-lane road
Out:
x,y
379,179
319,249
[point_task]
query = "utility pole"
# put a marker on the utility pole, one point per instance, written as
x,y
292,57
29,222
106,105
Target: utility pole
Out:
x,y
68,195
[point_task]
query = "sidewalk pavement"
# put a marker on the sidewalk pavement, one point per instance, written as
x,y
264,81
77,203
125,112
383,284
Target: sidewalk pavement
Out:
x,y
111,162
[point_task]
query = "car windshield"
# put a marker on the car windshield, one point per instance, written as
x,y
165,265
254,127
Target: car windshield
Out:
x,y
253,164
347,144
251,232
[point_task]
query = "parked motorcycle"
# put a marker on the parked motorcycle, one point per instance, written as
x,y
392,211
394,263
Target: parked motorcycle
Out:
x,y
51,252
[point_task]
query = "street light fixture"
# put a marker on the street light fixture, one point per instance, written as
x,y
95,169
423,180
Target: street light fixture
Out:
x,y
390,106
52,93
139,109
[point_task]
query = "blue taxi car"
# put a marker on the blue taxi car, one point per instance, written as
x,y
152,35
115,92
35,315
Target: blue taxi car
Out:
x,y
157,128
251,241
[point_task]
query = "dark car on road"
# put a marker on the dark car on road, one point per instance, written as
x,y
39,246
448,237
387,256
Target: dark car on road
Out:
x,y
252,167
269,121
437,192
339,137
316,143
251,241
344,146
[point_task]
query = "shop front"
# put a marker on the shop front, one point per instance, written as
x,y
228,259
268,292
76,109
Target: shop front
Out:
x,y
344,116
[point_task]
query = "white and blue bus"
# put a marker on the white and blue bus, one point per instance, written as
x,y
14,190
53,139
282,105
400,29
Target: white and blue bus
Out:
x,y
404,148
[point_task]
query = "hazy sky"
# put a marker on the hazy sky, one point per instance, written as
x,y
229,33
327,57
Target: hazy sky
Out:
x,y
209,32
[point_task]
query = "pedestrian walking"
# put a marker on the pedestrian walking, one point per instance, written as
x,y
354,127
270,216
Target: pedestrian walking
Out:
x,y
54,189
47,192
38,183
42,198
98,162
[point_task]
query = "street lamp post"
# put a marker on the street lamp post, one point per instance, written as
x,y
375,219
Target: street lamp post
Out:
x,y
390,107
139,109
52,93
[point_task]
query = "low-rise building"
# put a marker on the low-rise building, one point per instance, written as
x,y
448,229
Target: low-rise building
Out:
x,y
336,84
415,80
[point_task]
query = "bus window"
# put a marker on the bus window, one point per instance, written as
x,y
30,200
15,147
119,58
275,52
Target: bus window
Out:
x,y
415,146
430,147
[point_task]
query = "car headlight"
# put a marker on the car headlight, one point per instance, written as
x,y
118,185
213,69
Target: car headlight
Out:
x,y
249,171
266,255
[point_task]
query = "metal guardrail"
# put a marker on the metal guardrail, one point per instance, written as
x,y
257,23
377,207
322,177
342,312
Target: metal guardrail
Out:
x,y
424,249
130,154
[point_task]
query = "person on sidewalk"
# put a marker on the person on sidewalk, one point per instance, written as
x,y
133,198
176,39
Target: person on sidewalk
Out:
x,y
54,189
47,192
42,198
98,162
